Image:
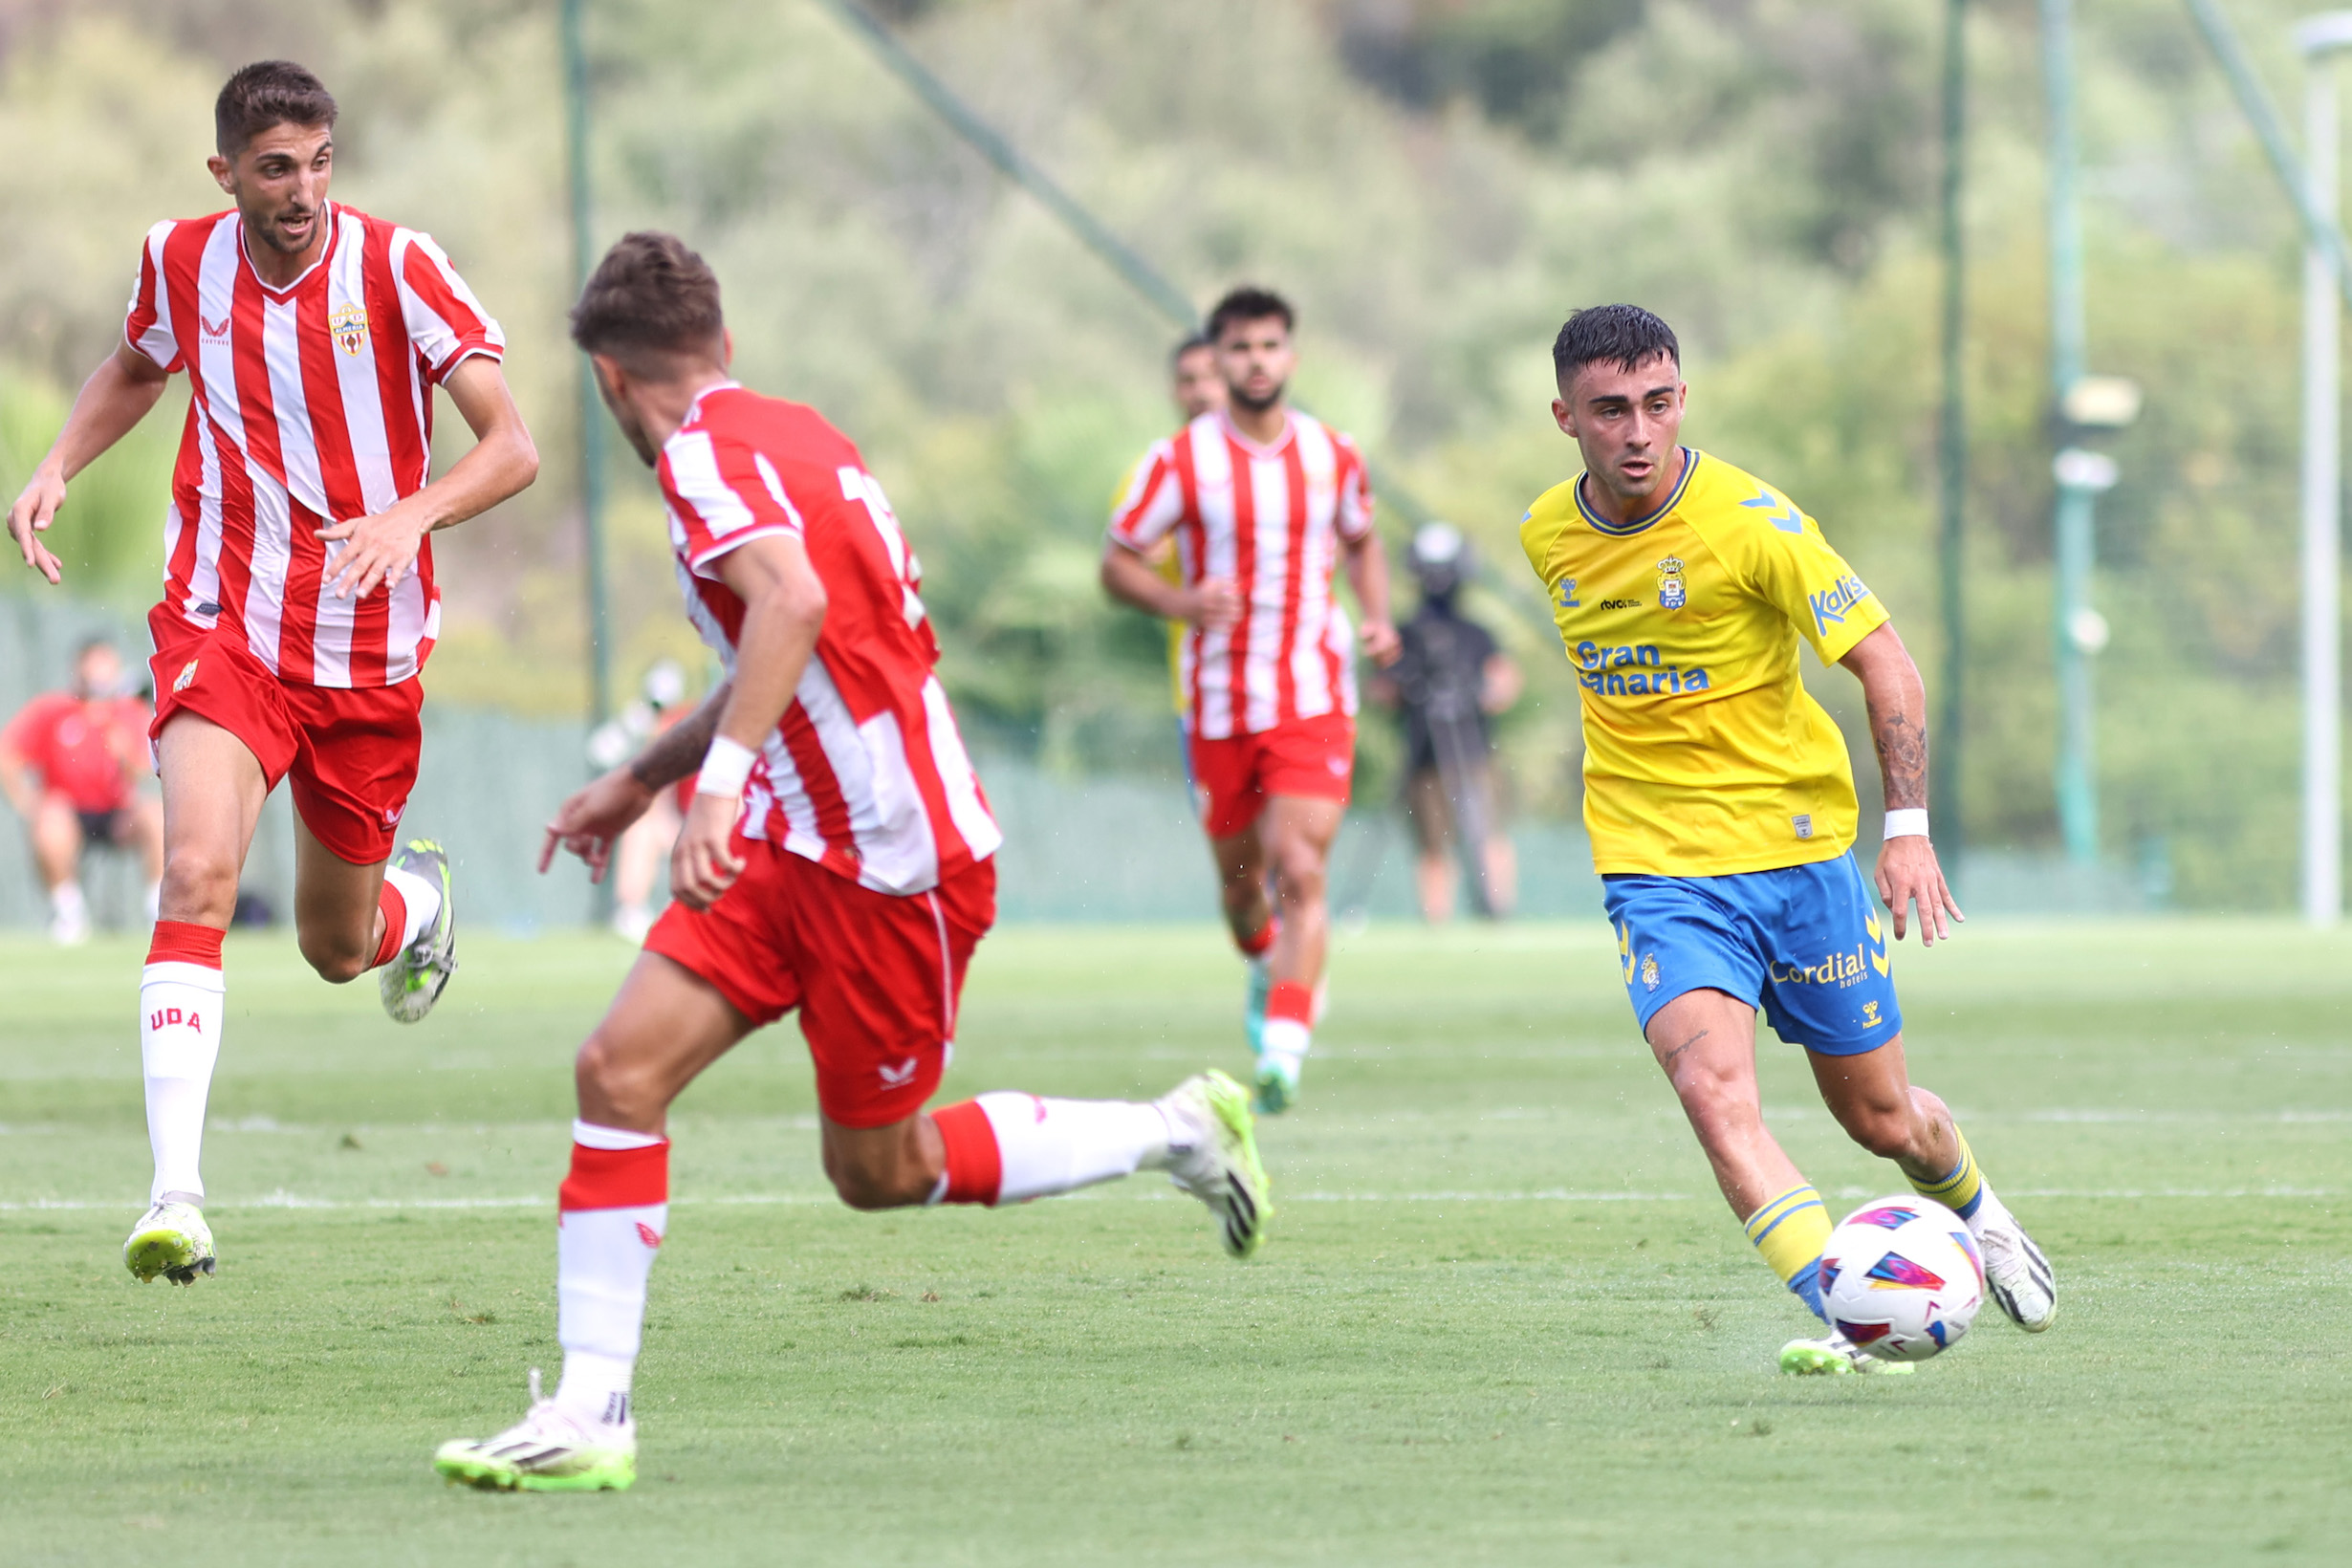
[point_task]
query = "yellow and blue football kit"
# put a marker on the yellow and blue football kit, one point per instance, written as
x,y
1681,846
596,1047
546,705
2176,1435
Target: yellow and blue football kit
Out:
x,y
1716,791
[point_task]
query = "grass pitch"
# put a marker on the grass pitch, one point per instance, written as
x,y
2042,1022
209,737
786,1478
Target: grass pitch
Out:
x,y
1502,1318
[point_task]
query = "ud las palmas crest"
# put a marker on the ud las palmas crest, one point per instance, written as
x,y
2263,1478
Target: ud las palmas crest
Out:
x,y
348,325
1671,594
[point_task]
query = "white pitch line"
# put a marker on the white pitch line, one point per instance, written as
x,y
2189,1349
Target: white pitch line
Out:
x,y
791,1200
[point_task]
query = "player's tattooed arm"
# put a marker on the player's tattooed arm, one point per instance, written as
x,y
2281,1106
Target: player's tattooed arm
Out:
x,y
1908,873
679,751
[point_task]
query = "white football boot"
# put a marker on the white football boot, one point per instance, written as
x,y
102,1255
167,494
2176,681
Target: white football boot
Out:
x,y
549,1449
170,1239
1221,1167
2016,1275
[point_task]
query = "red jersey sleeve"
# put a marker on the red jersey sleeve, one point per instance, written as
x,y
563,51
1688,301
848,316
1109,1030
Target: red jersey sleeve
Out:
x,y
445,321
147,326
1354,516
1153,502
722,493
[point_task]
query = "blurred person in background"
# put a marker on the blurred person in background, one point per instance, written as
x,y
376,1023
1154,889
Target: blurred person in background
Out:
x,y
71,763
1197,388
1264,504
1449,681
642,853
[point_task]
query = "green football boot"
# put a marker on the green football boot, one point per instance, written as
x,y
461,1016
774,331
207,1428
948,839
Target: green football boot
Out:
x,y
549,1449
171,1239
1835,1356
1221,1167
418,973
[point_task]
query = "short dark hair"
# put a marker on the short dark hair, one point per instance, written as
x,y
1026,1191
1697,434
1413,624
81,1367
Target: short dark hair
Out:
x,y
91,644
1247,303
1192,343
650,296
1624,335
264,93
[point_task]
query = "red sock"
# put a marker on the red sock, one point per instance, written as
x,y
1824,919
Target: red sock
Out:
x,y
616,1178
182,942
394,912
1293,999
1260,942
975,1167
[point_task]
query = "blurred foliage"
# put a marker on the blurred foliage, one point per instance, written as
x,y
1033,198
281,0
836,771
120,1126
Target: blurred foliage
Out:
x,y
1434,181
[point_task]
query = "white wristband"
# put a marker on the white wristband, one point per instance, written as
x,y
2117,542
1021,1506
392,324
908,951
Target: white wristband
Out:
x,y
1911,822
726,768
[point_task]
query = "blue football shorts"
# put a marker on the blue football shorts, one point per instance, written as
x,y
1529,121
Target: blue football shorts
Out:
x,y
1806,944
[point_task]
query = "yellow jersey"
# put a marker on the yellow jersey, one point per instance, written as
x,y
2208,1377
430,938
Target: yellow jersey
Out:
x,y
1703,755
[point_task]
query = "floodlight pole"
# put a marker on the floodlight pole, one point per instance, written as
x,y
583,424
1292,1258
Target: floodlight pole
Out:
x,y
2074,544
2320,39
591,405
1951,444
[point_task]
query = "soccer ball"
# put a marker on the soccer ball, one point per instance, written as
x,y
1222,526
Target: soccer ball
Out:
x,y
1902,1278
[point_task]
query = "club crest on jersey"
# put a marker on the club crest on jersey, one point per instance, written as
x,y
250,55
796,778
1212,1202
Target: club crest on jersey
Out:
x,y
1649,970
188,677
1671,594
348,325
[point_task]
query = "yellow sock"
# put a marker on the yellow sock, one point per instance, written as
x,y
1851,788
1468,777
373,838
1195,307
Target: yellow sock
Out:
x,y
1960,1191
1791,1231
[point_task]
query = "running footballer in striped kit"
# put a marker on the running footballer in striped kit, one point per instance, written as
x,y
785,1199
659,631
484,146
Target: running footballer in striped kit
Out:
x,y
838,861
1264,504
299,603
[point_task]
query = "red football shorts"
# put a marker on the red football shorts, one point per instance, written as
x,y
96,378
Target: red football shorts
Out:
x,y
875,977
350,752
1314,757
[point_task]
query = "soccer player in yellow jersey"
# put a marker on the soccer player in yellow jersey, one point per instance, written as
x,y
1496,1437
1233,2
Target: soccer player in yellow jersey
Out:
x,y
1722,812
1197,387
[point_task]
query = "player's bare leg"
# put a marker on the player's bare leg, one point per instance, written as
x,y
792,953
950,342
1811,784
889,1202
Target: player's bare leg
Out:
x,y
664,1028
142,832
1874,1100
394,915
1289,848
1705,1040
213,790
56,854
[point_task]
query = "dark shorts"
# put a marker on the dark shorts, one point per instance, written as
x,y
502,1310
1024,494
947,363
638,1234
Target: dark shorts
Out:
x,y
104,827
1805,943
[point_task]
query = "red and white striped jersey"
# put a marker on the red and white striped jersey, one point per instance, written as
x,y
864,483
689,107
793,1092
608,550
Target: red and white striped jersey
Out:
x,y
867,773
1270,519
309,405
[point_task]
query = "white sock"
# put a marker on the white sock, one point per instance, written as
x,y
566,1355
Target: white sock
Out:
x,y
66,902
1058,1145
422,898
178,1040
603,1257
1288,1039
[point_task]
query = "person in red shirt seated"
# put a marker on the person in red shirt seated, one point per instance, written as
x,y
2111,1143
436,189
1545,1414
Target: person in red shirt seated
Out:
x,y
70,763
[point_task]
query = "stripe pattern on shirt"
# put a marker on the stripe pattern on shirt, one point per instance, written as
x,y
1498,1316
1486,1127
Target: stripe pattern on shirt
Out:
x,y
1269,519
866,774
309,405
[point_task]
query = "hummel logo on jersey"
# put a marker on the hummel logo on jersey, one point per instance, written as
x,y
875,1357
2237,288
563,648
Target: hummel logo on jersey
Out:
x,y
213,329
899,1077
1568,594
